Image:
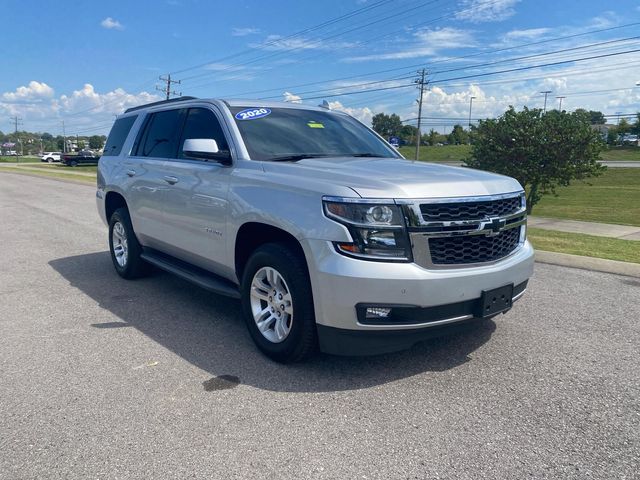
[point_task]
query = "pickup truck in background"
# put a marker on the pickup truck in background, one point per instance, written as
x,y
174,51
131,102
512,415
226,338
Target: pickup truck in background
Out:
x,y
83,157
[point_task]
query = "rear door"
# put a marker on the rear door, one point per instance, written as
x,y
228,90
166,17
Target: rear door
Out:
x,y
156,142
195,210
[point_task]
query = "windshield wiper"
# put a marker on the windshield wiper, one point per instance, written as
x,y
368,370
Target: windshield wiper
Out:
x,y
295,158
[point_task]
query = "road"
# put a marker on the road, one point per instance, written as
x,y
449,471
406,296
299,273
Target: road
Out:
x,y
103,378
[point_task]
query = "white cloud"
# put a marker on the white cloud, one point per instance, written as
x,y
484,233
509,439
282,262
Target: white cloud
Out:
x,y
427,42
291,98
605,20
243,32
364,114
478,11
34,91
83,110
278,42
528,34
111,24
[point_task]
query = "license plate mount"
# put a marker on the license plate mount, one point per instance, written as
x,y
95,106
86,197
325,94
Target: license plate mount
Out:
x,y
496,301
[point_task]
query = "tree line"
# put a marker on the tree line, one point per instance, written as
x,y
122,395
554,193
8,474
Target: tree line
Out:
x,y
392,126
35,143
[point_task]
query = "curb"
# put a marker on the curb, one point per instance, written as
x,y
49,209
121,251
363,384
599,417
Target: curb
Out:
x,y
589,263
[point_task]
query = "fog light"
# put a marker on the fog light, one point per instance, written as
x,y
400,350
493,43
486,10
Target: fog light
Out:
x,y
377,312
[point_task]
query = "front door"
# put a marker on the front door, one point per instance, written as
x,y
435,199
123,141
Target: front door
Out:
x,y
196,207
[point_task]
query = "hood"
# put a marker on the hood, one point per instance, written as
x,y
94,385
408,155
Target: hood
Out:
x,y
396,178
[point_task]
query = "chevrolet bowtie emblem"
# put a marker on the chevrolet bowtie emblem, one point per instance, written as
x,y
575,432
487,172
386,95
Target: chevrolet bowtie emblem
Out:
x,y
493,226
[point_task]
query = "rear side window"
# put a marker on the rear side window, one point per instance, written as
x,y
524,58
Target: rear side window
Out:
x,y
159,137
118,136
202,123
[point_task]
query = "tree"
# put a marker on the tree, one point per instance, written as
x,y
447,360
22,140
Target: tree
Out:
x,y
95,142
458,136
623,127
541,151
636,126
408,134
595,117
386,125
432,137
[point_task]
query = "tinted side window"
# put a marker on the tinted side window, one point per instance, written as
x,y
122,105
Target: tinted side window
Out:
x,y
160,135
202,123
118,135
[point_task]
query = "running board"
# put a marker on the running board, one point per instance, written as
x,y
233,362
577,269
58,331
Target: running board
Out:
x,y
198,276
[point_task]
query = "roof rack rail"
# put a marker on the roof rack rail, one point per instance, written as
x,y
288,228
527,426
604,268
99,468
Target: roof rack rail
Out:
x,y
161,102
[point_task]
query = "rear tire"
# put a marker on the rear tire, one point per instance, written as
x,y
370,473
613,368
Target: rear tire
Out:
x,y
124,247
277,304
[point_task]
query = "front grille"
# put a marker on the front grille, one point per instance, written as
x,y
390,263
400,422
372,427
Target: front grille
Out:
x,y
473,248
443,212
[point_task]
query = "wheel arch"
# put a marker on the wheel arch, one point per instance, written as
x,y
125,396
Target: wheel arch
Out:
x,y
112,202
252,235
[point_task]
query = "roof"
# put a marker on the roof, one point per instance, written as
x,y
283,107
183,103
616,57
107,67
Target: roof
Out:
x,y
240,102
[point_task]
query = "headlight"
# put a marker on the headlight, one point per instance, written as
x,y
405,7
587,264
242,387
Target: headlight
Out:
x,y
377,229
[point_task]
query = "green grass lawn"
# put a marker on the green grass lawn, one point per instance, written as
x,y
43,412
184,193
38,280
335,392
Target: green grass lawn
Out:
x,y
446,153
622,154
51,173
586,245
614,197
453,153
65,169
5,159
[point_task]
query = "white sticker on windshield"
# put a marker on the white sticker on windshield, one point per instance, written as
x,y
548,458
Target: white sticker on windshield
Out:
x,y
253,113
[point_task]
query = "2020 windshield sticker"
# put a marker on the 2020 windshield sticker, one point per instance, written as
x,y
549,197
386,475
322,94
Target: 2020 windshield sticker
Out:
x,y
252,113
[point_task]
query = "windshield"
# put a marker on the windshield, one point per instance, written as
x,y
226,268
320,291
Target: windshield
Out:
x,y
289,134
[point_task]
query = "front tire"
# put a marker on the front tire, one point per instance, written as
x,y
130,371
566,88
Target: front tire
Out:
x,y
277,303
124,247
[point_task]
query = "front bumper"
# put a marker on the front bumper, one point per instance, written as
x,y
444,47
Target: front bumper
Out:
x,y
341,283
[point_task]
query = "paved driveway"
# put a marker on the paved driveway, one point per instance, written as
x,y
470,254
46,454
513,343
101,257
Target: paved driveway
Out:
x,y
103,378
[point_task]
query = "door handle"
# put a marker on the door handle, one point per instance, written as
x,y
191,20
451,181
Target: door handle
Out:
x,y
171,180
131,173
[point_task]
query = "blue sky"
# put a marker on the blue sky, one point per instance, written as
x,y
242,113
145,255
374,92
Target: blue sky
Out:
x,y
83,62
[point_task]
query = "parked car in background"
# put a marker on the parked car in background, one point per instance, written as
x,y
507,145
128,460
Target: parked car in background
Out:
x,y
83,157
51,157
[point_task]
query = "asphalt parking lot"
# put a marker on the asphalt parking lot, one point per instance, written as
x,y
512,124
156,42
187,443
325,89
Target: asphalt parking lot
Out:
x,y
103,378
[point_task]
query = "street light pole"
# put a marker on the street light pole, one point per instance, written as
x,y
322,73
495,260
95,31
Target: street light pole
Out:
x,y
546,92
470,107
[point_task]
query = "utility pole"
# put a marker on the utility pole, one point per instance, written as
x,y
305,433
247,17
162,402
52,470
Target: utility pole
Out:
x,y
64,139
167,89
560,106
422,82
17,121
618,114
470,107
546,92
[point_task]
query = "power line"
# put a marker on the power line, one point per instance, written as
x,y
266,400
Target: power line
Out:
x,y
449,59
457,69
288,37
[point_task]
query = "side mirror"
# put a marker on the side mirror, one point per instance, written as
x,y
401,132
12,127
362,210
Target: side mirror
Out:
x,y
205,149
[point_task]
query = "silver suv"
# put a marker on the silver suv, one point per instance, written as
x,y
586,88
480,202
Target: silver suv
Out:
x,y
325,233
